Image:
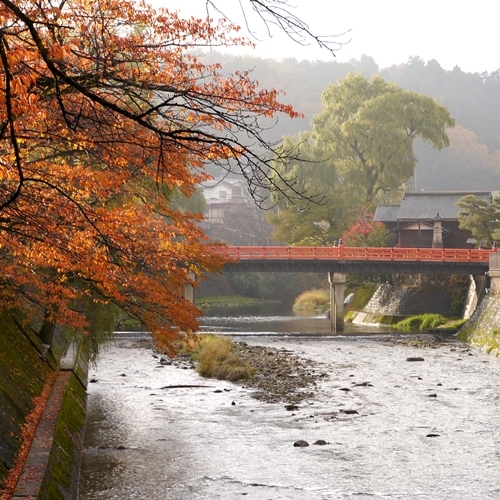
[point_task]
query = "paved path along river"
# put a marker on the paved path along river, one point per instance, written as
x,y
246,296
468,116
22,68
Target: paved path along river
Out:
x,y
395,429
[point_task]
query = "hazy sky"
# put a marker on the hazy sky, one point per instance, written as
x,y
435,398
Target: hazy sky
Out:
x,y
452,32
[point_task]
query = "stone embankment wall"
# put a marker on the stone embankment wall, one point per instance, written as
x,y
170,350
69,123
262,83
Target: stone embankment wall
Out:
x,y
404,300
482,330
448,298
413,295
26,372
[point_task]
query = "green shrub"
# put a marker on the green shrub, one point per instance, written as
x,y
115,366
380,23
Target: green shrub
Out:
x,y
421,322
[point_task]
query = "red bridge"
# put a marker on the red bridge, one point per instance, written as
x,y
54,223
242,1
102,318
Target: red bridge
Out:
x,y
344,259
338,261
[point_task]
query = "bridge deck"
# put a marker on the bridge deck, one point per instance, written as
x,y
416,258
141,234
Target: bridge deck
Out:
x,y
355,259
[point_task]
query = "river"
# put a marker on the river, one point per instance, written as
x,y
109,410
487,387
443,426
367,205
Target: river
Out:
x,y
394,429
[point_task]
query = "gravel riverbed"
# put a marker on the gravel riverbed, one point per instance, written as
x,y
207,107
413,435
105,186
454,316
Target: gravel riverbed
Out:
x,y
280,375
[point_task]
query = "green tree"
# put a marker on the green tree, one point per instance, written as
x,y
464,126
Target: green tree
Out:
x,y
359,152
195,204
317,221
481,218
368,129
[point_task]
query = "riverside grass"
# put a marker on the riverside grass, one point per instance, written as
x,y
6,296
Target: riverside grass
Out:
x,y
425,322
215,359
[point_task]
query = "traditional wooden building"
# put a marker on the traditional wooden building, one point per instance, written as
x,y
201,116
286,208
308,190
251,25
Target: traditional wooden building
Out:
x,y
428,219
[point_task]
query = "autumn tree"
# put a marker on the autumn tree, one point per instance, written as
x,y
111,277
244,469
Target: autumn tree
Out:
x,y
105,114
360,150
364,232
481,218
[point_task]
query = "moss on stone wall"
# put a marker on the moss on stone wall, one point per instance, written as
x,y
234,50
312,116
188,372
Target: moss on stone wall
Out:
x,y
482,329
24,371
362,295
22,377
444,296
61,477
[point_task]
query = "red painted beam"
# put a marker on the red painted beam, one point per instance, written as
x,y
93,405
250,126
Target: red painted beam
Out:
x,y
353,253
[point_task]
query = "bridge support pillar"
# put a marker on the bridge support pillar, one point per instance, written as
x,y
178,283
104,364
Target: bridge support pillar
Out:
x,y
337,283
494,273
188,292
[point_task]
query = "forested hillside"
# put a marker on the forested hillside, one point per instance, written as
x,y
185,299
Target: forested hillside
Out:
x,y
471,162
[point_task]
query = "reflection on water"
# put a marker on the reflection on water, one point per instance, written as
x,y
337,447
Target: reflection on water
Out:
x,y
275,319
415,430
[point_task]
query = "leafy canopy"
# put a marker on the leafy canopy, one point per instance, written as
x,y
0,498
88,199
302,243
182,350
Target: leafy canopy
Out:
x,y
316,221
368,129
359,152
105,117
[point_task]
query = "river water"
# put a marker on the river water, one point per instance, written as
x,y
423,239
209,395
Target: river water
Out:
x,y
422,430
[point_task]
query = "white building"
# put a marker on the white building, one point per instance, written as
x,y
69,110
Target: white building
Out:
x,y
219,194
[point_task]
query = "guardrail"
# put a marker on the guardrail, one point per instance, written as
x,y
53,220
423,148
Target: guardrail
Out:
x,y
353,253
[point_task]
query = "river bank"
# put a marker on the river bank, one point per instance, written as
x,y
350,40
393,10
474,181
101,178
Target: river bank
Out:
x,y
286,377
482,330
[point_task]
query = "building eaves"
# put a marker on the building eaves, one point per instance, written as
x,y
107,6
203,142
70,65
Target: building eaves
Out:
x,y
386,213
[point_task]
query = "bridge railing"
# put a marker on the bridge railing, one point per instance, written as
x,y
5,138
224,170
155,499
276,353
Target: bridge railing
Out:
x,y
243,253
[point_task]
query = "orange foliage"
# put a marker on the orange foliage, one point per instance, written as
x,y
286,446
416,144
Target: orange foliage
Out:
x,y
104,112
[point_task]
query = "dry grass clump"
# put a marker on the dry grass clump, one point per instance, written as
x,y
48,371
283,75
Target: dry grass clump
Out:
x,y
216,360
312,300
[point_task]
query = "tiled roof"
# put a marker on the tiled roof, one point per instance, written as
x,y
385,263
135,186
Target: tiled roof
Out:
x,y
386,213
426,206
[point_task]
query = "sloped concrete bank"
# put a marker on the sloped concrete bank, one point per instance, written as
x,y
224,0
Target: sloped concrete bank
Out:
x,y
482,330
43,392
410,296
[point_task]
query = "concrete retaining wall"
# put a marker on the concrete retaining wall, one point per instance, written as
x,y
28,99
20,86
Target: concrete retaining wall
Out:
x,y
52,467
444,296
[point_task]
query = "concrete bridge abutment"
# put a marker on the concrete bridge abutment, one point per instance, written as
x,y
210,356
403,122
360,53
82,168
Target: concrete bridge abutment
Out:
x,y
337,284
188,292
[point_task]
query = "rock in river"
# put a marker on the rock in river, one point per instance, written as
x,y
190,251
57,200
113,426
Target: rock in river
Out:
x,y
301,443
